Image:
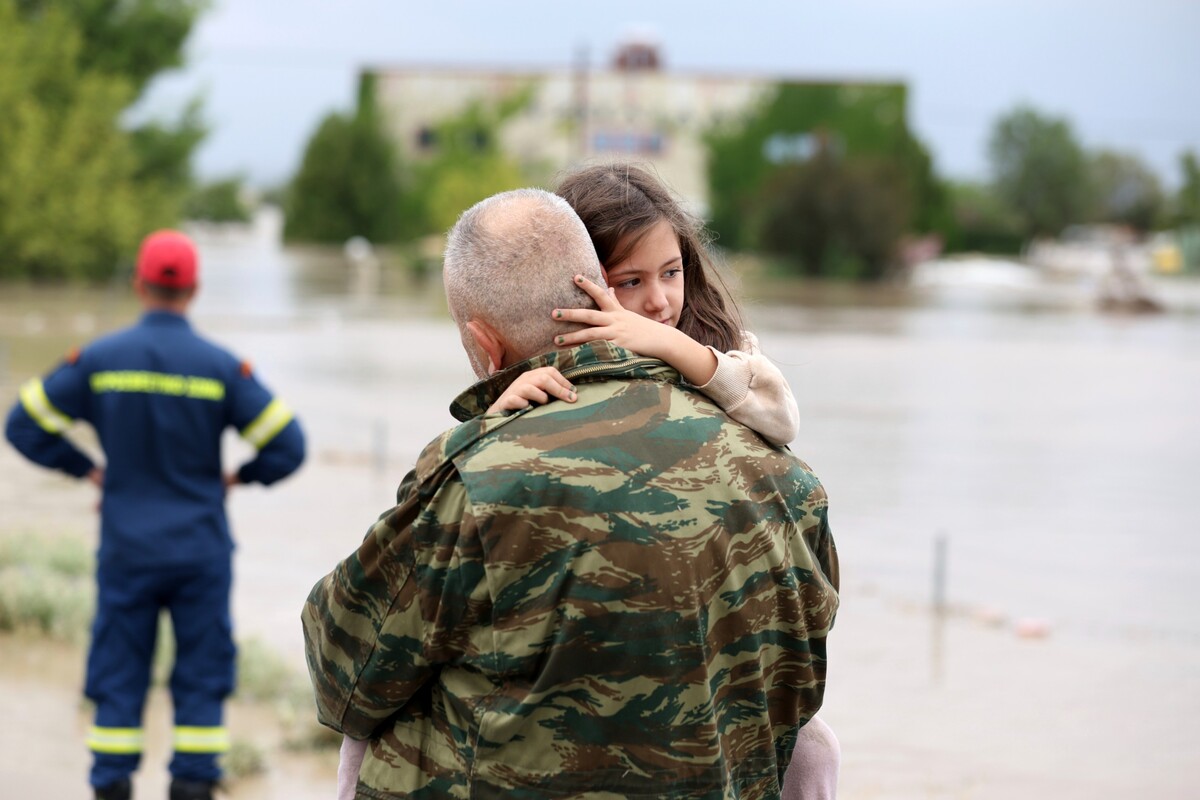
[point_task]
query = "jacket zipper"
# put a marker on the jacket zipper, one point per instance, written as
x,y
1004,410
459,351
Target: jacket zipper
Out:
x,y
593,369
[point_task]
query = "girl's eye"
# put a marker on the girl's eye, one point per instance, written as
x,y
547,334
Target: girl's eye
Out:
x,y
673,272
629,284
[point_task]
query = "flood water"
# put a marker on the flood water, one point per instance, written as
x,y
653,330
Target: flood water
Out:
x,y
1053,449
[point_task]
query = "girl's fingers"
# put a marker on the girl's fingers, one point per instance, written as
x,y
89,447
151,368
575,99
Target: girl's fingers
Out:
x,y
535,395
579,337
560,385
546,381
508,402
587,316
560,391
605,300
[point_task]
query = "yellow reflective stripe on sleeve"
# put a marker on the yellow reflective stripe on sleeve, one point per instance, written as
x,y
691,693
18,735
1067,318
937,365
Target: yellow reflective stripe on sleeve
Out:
x,y
134,381
117,741
201,740
38,406
270,422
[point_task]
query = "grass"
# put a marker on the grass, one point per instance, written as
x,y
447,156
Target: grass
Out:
x,y
243,760
62,556
46,587
312,736
264,676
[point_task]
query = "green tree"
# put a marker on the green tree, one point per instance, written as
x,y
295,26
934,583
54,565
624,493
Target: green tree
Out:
x,y
1124,190
835,217
794,123
164,154
69,204
136,40
354,181
1187,201
349,182
77,187
1040,170
981,221
133,39
217,201
467,163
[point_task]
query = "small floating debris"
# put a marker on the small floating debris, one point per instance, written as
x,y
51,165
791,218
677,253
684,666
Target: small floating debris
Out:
x,y
1030,628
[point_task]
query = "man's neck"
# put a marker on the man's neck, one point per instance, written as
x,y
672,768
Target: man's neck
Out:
x,y
178,308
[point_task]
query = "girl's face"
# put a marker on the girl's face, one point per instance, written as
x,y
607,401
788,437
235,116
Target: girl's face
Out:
x,y
649,281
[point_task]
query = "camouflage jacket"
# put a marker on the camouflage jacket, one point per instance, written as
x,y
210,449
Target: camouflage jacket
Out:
x,y
623,597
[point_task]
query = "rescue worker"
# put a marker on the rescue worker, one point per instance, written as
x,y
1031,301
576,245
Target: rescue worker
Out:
x,y
159,397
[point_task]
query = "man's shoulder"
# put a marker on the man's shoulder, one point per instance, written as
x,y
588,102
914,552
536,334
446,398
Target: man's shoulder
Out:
x,y
198,353
142,334
452,443
97,353
630,424
203,343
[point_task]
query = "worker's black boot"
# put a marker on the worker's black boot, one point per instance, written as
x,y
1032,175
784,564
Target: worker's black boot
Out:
x,y
191,790
120,790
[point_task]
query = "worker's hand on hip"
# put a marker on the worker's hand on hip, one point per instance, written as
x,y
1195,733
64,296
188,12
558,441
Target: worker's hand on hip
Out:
x,y
96,476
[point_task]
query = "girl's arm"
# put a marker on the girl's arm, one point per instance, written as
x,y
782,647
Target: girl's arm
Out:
x,y
754,392
747,386
535,387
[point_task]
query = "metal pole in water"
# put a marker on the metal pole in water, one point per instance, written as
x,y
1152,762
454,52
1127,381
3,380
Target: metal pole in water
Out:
x,y
939,573
938,646
379,450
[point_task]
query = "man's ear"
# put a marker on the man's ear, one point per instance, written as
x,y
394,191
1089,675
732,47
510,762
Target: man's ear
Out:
x,y
489,342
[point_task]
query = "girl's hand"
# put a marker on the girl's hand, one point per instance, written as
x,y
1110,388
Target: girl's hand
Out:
x,y
534,387
612,322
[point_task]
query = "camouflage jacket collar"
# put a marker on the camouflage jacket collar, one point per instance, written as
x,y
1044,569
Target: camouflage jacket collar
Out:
x,y
595,360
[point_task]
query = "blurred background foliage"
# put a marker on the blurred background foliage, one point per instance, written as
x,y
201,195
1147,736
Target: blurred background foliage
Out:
x,y
827,179
353,181
222,200
349,181
827,176
78,186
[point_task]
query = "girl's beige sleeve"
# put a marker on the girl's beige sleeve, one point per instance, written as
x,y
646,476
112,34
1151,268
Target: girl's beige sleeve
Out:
x,y
754,392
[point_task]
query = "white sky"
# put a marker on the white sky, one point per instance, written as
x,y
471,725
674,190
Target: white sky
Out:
x,y
1127,74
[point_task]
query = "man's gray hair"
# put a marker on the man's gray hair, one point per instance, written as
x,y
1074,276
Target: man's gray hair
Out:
x,y
510,261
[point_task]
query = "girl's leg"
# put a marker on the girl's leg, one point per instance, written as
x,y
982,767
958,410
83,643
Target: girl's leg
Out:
x,y
813,773
349,764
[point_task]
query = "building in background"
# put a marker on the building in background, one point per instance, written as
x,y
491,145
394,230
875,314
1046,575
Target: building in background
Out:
x,y
632,109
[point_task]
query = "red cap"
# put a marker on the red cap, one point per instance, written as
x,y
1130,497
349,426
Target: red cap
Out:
x,y
167,258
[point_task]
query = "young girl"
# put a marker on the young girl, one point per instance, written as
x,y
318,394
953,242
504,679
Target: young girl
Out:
x,y
666,301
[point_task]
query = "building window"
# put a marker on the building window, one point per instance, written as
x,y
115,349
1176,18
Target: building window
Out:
x,y
628,143
426,138
637,57
783,148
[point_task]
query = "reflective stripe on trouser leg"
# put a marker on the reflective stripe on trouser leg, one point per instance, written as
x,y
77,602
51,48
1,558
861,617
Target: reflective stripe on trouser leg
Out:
x,y
189,739
115,741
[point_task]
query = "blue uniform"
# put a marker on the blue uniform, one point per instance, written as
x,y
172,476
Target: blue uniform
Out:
x,y
159,398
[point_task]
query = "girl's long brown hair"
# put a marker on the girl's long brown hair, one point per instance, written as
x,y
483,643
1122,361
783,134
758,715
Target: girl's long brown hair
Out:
x,y
616,201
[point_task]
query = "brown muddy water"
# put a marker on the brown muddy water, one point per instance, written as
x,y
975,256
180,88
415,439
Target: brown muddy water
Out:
x,y
1053,450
